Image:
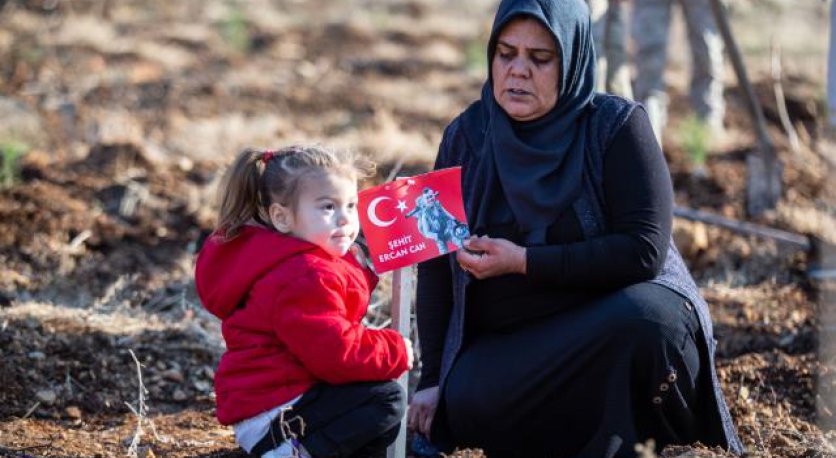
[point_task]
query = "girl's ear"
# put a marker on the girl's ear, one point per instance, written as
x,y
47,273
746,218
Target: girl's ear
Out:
x,y
281,217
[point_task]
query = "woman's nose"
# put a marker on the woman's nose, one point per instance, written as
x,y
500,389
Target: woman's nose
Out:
x,y
519,67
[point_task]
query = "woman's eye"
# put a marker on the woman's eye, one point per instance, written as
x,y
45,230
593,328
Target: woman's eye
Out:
x,y
541,60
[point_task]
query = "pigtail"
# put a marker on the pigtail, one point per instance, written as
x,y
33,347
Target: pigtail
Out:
x,y
240,194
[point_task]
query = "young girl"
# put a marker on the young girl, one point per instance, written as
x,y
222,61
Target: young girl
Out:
x,y
301,374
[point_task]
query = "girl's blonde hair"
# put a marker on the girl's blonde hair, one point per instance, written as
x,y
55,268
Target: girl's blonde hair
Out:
x,y
259,178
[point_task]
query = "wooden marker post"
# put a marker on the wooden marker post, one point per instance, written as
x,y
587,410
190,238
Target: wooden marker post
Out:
x,y
395,217
402,287
763,169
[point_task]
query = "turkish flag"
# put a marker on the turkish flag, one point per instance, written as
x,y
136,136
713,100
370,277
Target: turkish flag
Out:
x,y
410,220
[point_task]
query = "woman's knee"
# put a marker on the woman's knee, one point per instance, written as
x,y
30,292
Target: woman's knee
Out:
x,y
649,316
473,403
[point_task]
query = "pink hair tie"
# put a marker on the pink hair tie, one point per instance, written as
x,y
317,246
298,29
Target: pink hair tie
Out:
x,y
266,156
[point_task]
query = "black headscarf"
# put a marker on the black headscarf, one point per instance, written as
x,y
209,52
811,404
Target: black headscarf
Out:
x,y
534,167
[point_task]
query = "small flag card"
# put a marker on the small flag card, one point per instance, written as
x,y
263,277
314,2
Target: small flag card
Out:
x,y
413,219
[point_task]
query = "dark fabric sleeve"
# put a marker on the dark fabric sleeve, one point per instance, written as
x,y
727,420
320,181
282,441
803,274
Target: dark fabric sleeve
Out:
x,y
433,303
434,295
639,212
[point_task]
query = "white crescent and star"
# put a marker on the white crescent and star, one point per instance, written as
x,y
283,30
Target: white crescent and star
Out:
x,y
372,211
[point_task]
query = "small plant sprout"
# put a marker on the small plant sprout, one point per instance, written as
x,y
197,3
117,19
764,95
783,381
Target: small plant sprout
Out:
x,y
234,28
694,134
10,153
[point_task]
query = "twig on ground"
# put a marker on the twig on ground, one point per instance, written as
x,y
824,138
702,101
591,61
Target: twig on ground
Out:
x,y
32,409
761,442
133,448
161,302
780,99
78,240
78,384
109,298
141,413
68,384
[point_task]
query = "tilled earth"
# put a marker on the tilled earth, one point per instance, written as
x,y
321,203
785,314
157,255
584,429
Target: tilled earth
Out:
x,y
130,110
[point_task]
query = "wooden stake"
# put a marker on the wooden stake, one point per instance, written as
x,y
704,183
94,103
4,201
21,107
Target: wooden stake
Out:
x,y
402,288
763,187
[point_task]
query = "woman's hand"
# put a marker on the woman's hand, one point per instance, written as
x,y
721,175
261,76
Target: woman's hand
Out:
x,y
422,410
485,257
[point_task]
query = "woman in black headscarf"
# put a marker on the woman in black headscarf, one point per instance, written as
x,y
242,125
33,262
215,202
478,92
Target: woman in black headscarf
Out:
x,y
570,326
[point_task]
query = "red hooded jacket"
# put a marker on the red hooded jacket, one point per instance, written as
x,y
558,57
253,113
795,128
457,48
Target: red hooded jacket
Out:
x,y
291,316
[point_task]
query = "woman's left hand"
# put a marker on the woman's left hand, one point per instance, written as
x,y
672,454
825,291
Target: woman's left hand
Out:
x,y
421,411
485,257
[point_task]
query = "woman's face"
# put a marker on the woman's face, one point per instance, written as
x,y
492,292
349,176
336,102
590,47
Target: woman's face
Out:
x,y
525,70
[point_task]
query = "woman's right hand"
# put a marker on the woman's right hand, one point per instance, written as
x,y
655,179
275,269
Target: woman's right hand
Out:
x,y
486,257
422,410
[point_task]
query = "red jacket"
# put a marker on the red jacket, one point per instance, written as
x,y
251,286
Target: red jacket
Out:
x,y
291,316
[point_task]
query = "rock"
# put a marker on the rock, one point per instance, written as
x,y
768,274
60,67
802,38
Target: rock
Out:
x,y
12,282
73,412
123,200
36,355
145,452
125,341
690,237
115,127
20,123
207,372
179,395
780,440
173,375
743,393
203,386
46,396
5,299
117,159
34,164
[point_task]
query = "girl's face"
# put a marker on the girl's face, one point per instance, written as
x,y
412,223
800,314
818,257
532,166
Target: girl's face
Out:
x,y
525,70
325,214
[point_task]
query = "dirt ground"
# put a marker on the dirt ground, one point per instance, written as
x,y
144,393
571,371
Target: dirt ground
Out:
x,y
128,111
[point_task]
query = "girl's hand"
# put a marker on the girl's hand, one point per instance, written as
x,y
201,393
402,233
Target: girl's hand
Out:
x,y
422,410
485,257
410,354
